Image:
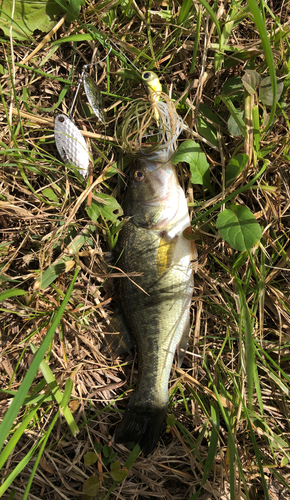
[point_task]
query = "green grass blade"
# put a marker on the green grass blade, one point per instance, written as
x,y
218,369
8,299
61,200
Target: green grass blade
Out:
x,y
66,261
61,399
17,470
239,121
17,435
257,453
31,477
233,452
17,402
213,16
249,344
260,25
185,9
14,292
211,451
196,42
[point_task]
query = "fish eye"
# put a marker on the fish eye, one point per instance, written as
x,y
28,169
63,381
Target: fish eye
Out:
x,y
146,75
138,175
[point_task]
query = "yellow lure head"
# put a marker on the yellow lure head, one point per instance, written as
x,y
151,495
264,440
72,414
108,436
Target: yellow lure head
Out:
x,y
153,84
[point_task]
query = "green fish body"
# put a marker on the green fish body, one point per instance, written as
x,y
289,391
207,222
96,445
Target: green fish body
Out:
x,y
155,306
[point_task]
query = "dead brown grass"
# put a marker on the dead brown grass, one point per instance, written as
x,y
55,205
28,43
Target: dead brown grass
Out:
x,y
35,232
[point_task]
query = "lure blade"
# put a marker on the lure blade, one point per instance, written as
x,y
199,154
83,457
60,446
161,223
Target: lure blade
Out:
x,y
94,97
70,144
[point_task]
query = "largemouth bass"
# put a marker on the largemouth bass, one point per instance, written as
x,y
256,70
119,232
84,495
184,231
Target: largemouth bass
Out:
x,y
155,306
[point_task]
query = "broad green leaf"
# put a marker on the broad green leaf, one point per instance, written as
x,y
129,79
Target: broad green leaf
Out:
x,y
108,208
238,226
233,123
170,421
28,16
71,8
235,167
206,130
90,458
233,88
91,486
266,91
164,14
117,473
191,152
50,194
210,114
126,7
107,451
251,81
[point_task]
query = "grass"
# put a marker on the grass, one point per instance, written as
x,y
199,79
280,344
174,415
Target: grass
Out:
x,y
227,433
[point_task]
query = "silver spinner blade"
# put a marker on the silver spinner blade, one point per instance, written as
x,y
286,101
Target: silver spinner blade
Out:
x,y
94,97
71,145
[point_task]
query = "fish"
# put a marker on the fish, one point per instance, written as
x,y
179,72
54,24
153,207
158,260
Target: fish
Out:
x,y
153,306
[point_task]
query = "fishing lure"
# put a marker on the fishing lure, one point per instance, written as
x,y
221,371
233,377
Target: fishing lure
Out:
x,y
153,85
69,140
93,94
92,91
71,145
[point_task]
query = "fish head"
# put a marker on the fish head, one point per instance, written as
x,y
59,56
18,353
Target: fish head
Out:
x,y
153,193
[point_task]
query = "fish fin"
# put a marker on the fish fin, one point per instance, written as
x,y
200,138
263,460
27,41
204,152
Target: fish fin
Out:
x,y
165,254
182,346
193,256
118,338
141,424
189,235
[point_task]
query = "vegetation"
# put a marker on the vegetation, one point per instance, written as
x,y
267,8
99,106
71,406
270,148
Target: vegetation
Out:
x,y
226,67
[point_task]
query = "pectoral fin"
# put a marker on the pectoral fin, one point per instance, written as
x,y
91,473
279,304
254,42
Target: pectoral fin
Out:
x,y
118,338
165,254
189,235
193,256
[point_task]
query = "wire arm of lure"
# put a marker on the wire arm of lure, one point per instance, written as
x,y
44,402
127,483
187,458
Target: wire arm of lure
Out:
x,y
109,43
80,81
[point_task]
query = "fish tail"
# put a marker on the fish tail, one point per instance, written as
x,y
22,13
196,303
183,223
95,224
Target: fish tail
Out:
x,y
142,424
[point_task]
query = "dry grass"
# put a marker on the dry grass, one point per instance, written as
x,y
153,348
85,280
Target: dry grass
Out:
x,y
37,229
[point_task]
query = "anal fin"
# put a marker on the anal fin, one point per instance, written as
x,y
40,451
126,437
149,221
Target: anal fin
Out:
x,y
118,338
182,346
